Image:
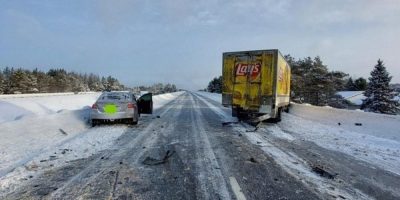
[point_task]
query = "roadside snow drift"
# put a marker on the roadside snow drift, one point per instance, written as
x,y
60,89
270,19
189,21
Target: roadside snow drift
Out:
x,y
18,106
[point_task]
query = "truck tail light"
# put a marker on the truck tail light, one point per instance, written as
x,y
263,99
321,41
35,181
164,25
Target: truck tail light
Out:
x,y
94,106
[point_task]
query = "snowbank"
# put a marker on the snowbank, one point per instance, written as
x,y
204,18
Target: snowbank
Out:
x,y
379,125
162,99
14,107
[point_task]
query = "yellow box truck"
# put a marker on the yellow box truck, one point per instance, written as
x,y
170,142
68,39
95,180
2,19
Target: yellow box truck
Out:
x,y
256,84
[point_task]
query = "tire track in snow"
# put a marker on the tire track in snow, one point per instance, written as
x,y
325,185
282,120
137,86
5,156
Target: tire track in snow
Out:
x,y
208,167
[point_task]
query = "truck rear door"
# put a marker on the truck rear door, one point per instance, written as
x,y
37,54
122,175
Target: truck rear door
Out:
x,y
247,80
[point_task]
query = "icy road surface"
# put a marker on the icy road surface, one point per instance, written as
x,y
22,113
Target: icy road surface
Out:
x,y
182,151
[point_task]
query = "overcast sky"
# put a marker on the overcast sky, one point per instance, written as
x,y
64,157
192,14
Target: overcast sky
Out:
x,y
181,41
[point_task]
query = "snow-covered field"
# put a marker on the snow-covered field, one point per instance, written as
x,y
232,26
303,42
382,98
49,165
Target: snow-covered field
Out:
x,y
355,97
42,131
376,138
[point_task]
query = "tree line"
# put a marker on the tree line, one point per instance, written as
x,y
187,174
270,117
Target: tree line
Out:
x,y
20,81
312,82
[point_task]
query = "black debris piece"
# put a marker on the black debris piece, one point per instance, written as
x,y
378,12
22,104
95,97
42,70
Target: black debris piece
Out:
x,y
153,161
358,124
339,123
53,158
254,130
228,123
158,116
323,172
62,131
253,160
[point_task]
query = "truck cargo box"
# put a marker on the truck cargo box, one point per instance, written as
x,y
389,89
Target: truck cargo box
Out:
x,y
256,83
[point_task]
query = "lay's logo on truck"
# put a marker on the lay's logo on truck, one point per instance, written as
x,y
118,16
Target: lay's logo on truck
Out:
x,y
243,69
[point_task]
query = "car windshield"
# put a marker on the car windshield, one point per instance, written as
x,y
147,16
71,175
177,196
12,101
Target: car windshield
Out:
x,y
115,96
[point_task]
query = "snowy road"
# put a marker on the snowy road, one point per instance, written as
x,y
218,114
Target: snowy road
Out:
x,y
186,153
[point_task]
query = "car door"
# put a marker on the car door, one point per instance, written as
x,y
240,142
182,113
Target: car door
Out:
x,y
145,104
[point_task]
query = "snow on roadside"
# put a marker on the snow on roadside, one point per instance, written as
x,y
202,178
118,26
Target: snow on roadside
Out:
x,y
15,107
55,137
161,100
81,145
379,125
381,152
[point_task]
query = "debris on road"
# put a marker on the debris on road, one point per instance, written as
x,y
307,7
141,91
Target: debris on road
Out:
x,y
253,160
228,123
52,158
358,124
63,151
153,161
323,172
62,131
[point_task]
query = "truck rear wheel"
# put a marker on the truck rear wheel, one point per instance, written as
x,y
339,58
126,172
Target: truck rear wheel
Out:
x,y
286,109
234,112
277,118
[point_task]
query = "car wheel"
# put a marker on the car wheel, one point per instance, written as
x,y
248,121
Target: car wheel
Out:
x,y
133,121
94,123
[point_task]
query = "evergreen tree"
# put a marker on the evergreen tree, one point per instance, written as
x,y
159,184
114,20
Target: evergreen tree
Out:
x,y
312,82
2,81
22,82
7,72
360,84
350,86
43,81
380,97
215,86
55,80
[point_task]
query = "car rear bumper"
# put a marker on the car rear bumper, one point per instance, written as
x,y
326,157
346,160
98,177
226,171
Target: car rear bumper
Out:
x,y
95,114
